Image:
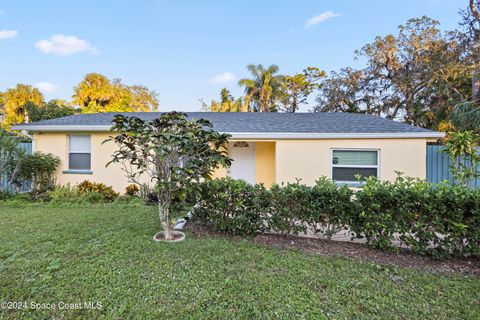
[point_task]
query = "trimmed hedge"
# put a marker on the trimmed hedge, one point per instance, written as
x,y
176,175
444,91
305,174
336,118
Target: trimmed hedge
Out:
x,y
441,220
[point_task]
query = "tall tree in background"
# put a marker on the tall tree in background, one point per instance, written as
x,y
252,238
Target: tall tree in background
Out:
x,y
263,90
55,108
466,115
14,101
96,93
296,88
412,77
227,103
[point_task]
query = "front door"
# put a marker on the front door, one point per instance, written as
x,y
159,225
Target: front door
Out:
x,y
243,165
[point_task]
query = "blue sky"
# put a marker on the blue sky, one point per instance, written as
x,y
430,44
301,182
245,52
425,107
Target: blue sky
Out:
x,y
187,50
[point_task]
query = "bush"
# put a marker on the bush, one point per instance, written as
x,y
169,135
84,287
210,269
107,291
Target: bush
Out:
x,y
132,190
106,191
233,206
68,194
331,207
386,208
439,220
289,208
39,167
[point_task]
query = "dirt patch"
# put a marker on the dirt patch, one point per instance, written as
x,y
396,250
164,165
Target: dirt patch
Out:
x,y
355,251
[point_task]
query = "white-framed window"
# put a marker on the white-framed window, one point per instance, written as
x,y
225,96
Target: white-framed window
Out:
x,y
79,155
348,163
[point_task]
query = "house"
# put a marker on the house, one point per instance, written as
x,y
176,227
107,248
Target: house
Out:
x,y
266,147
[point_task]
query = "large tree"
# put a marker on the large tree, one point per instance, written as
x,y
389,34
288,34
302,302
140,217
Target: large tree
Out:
x,y
14,102
413,76
96,93
466,115
296,88
55,108
263,89
170,154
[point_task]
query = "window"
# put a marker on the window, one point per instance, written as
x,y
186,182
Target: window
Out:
x,y
346,164
79,157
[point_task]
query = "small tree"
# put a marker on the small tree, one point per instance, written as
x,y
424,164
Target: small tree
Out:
x,y
462,150
11,157
39,167
171,152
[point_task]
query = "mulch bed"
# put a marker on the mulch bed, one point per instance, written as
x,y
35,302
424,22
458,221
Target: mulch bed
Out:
x,y
349,250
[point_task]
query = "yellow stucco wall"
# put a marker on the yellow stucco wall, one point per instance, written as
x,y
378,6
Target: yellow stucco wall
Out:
x,y
265,163
310,159
276,161
57,143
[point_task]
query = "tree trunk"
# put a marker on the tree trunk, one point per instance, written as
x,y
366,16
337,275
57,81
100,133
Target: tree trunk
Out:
x,y
164,213
476,48
476,84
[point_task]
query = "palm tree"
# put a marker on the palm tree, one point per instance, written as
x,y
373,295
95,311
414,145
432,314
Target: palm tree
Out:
x,y
263,90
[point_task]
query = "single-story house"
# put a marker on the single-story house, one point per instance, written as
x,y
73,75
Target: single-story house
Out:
x,y
266,147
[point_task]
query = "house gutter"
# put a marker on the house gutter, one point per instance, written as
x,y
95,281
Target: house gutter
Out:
x,y
252,135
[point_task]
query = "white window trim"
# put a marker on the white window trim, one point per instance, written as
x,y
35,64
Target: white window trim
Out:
x,y
353,166
76,152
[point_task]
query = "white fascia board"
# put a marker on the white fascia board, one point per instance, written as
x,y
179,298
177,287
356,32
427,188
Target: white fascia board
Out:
x,y
341,135
63,128
252,135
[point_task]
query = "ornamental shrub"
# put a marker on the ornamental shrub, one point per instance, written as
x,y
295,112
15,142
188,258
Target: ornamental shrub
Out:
x,y
68,194
132,190
386,208
439,220
106,191
233,206
331,208
289,208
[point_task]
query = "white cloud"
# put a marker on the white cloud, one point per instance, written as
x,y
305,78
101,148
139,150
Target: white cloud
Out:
x,y
222,78
313,21
8,34
62,45
46,87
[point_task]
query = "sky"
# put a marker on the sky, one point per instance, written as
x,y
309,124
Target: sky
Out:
x,y
190,50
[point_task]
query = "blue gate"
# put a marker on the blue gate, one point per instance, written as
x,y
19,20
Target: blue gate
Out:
x,y
25,185
438,166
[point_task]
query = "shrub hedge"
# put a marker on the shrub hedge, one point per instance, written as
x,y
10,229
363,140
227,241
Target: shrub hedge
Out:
x,y
441,220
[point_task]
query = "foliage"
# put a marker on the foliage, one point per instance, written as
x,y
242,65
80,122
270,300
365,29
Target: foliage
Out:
x,y
227,103
439,220
171,152
51,110
263,90
96,93
14,101
296,88
93,187
69,194
11,157
466,116
416,76
132,190
100,254
39,167
386,209
462,148
289,207
332,207
233,206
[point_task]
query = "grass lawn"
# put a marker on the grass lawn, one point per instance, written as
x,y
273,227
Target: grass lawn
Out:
x,y
105,254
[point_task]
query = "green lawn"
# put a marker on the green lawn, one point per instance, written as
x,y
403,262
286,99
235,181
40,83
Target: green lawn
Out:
x,y
105,254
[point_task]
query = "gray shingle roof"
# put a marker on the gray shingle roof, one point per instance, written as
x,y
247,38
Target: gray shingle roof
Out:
x,y
255,122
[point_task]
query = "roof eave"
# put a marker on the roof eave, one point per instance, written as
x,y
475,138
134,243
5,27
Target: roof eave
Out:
x,y
252,135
